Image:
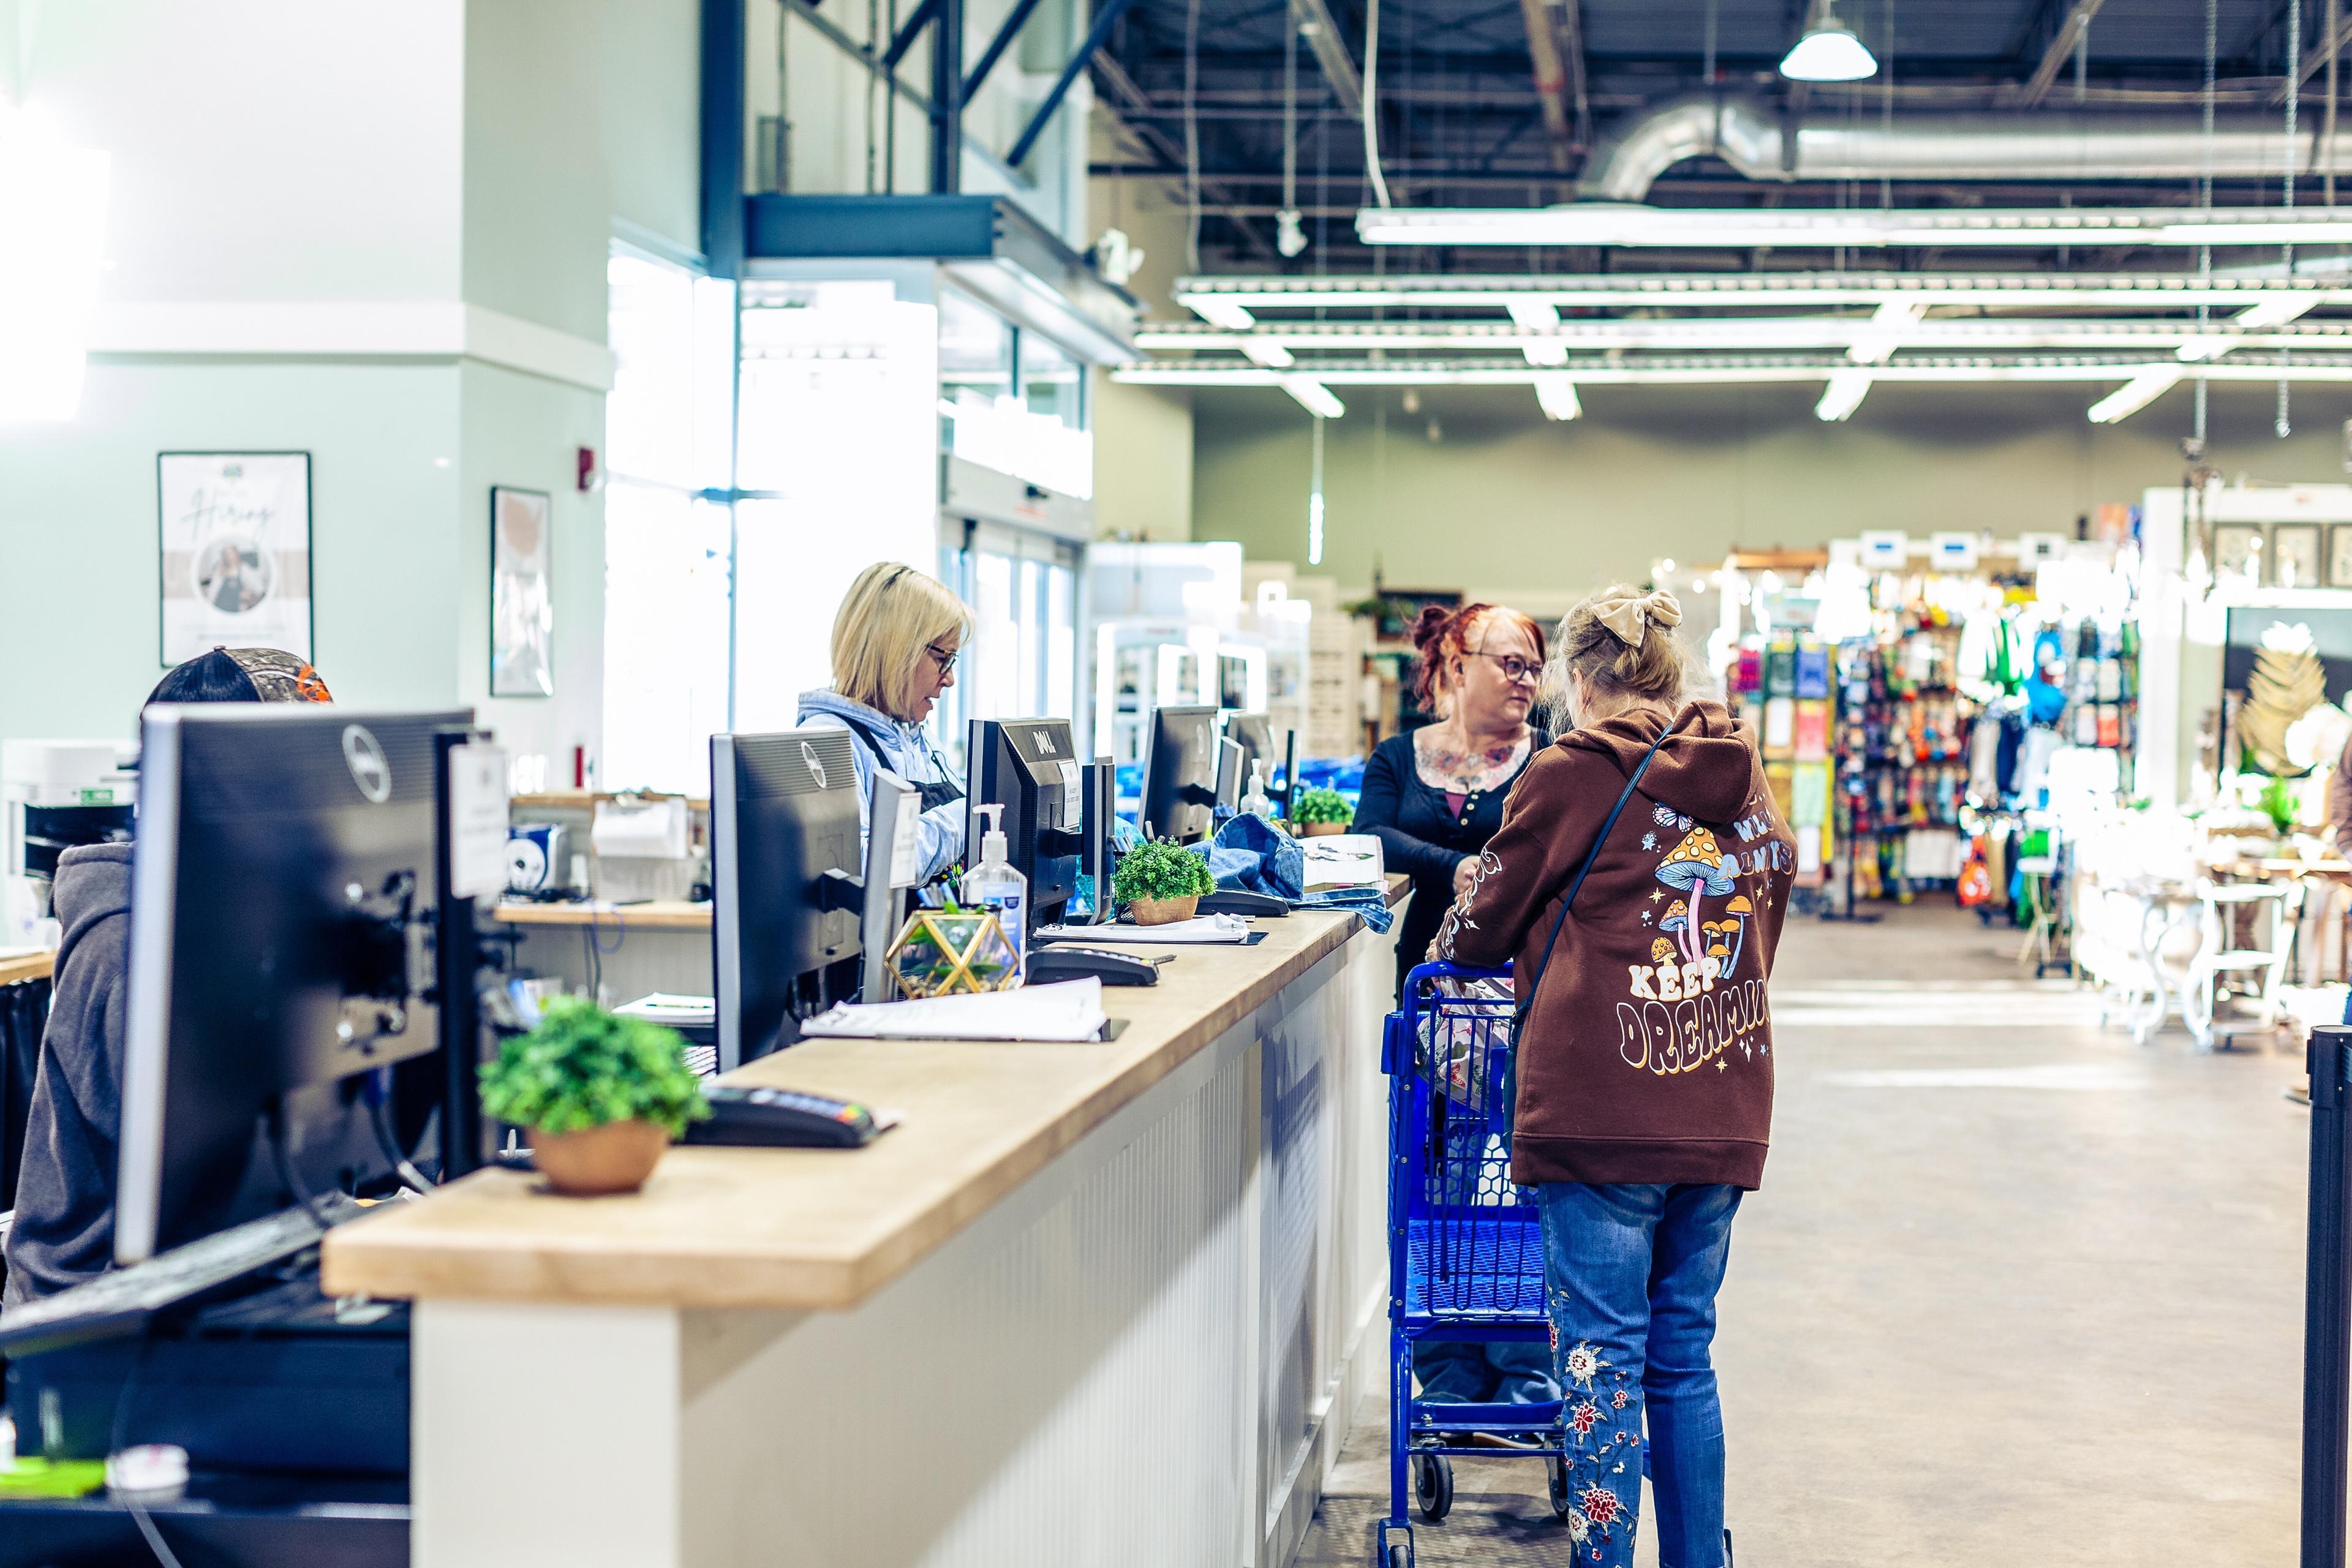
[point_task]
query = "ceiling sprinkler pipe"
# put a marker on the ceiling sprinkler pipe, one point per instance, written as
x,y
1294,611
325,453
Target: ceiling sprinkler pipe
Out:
x,y
1941,146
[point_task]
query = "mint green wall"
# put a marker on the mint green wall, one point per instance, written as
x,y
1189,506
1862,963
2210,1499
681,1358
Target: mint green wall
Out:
x,y
1508,498
78,532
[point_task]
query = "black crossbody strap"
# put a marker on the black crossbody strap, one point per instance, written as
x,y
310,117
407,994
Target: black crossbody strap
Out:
x,y
1525,995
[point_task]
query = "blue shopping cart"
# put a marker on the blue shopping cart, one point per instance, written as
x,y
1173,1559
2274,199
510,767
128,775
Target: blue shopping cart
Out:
x,y
1465,1250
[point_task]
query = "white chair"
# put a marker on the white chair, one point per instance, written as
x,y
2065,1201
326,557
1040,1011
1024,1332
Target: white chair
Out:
x,y
2271,905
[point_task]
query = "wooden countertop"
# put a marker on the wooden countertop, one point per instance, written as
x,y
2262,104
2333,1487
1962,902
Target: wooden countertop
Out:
x,y
826,1228
660,914
27,966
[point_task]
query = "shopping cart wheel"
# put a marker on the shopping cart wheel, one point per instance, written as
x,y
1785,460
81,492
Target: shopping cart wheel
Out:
x,y
1560,1506
1433,1485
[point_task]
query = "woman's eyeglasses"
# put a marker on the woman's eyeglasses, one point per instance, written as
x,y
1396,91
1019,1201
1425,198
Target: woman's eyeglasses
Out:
x,y
946,662
1514,667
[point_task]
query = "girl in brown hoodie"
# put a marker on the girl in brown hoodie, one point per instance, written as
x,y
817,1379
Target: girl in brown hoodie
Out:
x,y
1644,1060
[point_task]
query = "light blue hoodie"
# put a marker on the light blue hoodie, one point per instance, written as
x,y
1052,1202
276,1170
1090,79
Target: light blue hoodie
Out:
x,y
907,751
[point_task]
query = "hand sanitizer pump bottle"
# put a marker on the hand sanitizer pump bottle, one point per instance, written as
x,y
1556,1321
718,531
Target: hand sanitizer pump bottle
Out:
x,y
995,885
1256,802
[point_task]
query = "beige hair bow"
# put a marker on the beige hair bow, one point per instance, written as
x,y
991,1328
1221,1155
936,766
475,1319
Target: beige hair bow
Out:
x,y
1629,615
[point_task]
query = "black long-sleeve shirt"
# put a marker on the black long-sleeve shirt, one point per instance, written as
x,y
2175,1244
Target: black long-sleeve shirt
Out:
x,y
1422,836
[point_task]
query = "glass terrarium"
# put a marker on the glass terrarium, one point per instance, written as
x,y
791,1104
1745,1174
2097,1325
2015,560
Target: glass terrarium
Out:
x,y
947,953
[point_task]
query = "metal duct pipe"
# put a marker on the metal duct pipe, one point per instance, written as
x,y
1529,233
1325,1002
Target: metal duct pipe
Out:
x,y
2039,146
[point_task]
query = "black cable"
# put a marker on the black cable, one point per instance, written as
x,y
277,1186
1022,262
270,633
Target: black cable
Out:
x,y
319,1214
381,1121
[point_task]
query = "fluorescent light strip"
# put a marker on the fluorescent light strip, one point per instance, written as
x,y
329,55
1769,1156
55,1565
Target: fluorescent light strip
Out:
x,y
1614,223
1893,327
1269,352
1557,394
1843,394
1714,371
1312,395
1230,301
2136,394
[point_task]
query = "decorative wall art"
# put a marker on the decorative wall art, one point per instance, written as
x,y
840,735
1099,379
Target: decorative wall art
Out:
x,y
522,605
234,552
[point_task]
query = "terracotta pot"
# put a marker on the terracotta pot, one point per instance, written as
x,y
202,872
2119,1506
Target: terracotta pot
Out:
x,y
614,1158
1322,829
1160,912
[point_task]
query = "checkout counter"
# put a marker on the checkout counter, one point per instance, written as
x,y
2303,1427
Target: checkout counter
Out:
x,y
1087,1304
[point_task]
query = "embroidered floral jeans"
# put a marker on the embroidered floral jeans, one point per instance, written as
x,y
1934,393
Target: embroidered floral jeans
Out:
x,y
1630,1274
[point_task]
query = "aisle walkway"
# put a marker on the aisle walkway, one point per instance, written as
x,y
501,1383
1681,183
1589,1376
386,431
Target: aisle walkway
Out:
x,y
2015,1291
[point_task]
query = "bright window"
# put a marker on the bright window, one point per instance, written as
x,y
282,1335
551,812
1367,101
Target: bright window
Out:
x,y
1023,660
667,554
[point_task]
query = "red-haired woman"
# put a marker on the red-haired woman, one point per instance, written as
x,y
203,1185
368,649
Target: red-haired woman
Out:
x,y
1435,796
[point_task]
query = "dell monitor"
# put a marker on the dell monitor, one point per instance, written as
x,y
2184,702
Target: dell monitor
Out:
x,y
786,891
283,886
1180,774
1031,767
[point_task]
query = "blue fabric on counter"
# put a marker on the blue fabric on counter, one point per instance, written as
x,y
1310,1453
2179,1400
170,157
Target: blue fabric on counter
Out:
x,y
1369,903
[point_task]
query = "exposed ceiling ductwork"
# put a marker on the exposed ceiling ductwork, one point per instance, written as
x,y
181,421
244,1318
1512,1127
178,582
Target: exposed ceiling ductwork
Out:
x,y
2085,148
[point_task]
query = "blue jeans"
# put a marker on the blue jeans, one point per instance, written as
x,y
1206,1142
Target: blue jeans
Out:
x,y
1630,1276
1494,1372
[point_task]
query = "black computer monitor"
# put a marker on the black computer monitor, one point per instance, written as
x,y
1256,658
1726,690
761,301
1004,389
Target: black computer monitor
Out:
x,y
783,814
1180,773
1030,767
1253,732
282,888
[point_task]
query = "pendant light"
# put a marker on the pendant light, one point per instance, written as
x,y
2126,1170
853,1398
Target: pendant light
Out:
x,y
1828,52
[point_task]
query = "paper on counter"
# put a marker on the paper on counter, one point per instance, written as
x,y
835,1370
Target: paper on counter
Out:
x,y
1342,860
1199,929
1068,1010
661,1007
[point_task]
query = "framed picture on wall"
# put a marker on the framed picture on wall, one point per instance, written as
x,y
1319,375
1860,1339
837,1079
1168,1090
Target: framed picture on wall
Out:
x,y
2295,555
233,552
2238,553
522,606
2339,555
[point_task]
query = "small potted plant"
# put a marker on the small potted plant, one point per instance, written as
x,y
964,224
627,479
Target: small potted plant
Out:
x,y
1320,812
1161,882
602,1095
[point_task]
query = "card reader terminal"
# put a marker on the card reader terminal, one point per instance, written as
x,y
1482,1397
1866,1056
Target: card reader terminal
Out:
x,y
746,1117
1061,961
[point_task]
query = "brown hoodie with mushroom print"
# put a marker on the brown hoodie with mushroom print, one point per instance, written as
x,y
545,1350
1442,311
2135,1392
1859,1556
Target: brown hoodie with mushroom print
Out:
x,y
1647,1052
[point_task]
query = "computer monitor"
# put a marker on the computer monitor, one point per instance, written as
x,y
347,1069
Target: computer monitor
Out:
x,y
1180,773
1254,734
283,889
1030,767
786,891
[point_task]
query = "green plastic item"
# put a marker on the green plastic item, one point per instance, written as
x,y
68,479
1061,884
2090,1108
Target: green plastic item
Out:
x,y
53,1478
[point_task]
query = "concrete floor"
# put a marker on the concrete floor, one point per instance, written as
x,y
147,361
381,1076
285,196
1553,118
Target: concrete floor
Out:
x,y
2015,1291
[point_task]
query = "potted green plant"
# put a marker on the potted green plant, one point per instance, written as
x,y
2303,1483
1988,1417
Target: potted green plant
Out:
x,y
1161,881
602,1095
1321,811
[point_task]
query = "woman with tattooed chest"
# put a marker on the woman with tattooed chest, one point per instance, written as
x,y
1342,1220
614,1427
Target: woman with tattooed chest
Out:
x,y
1435,796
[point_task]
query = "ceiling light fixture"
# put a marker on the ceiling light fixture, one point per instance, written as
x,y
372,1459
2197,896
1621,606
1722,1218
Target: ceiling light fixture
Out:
x,y
1313,396
2135,395
1267,352
1828,52
1629,223
1534,315
1557,393
1545,352
1877,348
1843,394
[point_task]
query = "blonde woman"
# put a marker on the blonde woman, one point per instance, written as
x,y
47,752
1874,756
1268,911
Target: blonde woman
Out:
x,y
895,643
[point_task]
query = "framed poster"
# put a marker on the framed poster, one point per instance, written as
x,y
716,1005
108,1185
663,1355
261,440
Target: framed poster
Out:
x,y
2238,553
522,609
2339,555
233,552
2295,555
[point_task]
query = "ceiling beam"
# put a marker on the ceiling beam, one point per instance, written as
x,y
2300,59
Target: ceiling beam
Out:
x,y
2053,58
1118,92
2316,56
1313,19
1551,82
